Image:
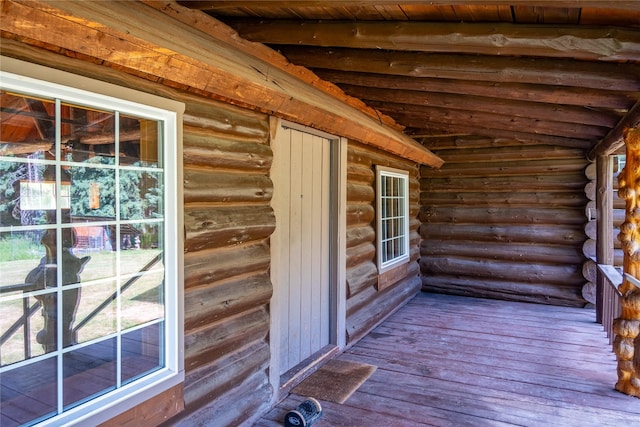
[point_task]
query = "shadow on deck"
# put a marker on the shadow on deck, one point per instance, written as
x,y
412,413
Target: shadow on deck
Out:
x,y
457,361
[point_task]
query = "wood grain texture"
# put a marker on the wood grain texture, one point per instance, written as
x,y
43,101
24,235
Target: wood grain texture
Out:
x,y
448,360
578,42
226,4
152,412
502,228
477,68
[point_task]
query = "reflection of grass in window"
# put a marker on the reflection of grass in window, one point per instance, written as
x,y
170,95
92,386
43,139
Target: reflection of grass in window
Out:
x,y
14,272
15,249
133,311
140,303
13,350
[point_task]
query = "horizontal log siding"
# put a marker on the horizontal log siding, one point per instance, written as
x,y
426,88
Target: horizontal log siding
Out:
x,y
228,221
366,306
504,221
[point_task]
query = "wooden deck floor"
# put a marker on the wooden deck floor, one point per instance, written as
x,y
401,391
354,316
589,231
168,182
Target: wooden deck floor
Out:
x,y
456,361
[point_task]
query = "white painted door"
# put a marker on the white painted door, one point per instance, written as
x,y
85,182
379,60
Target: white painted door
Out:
x,y
300,244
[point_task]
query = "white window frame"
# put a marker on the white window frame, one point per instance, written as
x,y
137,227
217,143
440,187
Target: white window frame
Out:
x,y
30,78
381,239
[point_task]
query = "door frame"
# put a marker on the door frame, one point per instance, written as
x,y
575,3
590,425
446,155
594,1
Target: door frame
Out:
x,y
337,267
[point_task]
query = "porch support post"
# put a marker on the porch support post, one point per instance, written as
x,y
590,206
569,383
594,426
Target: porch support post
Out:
x,y
627,327
604,237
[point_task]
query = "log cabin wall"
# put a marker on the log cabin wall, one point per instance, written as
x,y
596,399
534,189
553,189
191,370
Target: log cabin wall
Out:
x,y
228,221
504,220
372,297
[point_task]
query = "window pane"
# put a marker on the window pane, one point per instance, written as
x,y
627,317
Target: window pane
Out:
x,y
141,195
143,299
143,247
92,194
27,125
87,135
28,193
20,337
96,314
89,372
29,393
142,351
139,141
20,253
98,242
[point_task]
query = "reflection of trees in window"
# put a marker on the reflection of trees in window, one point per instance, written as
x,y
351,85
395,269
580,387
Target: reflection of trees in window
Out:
x,y
82,181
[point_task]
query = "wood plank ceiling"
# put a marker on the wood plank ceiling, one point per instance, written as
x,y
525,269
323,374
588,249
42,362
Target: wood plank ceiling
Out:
x,y
559,72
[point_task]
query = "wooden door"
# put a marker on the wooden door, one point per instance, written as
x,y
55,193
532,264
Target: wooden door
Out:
x,y
300,244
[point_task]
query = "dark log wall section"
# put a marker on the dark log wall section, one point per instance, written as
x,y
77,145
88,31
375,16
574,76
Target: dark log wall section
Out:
x,y
366,304
228,221
504,220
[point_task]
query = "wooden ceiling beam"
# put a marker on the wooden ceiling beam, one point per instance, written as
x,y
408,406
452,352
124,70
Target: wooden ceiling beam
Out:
x,y
10,148
231,4
614,139
577,42
521,136
603,99
554,72
425,117
190,58
507,107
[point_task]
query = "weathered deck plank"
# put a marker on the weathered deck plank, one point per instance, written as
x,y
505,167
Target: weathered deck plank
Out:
x,y
455,361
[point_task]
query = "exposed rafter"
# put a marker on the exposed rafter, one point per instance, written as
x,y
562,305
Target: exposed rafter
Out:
x,y
577,42
597,98
218,5
556,72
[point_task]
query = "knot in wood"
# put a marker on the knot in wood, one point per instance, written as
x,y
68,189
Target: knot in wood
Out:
x,y
626,193
633,303
627,228
623,347
626,328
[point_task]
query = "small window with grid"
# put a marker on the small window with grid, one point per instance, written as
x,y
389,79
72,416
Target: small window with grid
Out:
x,y
392,217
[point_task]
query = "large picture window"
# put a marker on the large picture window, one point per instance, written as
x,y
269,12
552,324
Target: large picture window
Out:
x,y
88,283
392,217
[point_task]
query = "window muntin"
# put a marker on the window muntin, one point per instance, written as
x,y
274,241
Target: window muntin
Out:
x,y
392,217
87,247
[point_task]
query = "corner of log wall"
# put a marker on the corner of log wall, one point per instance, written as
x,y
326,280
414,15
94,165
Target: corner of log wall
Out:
x,y
504,219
